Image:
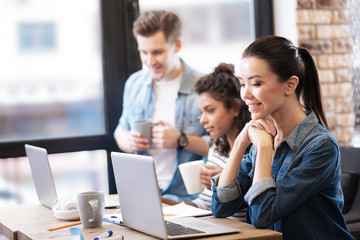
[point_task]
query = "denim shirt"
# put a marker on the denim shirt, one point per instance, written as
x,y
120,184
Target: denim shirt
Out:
x,y
139,103
303,199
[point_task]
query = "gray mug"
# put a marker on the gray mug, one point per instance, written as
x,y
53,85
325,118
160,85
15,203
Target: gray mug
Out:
x,y
144,127
91,208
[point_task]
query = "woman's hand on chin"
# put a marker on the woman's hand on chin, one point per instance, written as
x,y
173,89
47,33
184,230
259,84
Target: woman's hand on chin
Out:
x,y
267,125
262,131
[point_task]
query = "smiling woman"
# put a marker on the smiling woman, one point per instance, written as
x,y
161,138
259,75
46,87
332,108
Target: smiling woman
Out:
x,y
292,172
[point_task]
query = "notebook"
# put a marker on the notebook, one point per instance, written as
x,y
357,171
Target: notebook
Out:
x,y
140,201
43,179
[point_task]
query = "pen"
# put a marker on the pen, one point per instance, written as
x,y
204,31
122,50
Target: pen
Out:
x,y
168,214
64,226
104,235
114,221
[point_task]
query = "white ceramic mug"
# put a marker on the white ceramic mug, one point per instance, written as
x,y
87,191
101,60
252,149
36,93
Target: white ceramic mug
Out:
x,y
91,208
190,172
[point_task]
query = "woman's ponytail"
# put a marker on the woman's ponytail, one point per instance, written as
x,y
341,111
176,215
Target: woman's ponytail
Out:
x,y
311,95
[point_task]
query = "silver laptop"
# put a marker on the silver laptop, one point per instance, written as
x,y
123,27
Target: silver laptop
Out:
x,y
140,201
41,173
43,179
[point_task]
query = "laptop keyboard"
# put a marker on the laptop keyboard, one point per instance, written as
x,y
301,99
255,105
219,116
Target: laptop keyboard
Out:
x,y
174,229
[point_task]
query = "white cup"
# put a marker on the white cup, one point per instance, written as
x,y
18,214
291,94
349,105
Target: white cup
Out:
x,y
91,208
190,172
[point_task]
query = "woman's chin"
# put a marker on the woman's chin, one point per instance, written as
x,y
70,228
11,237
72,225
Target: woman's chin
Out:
x,y
257,116
214,135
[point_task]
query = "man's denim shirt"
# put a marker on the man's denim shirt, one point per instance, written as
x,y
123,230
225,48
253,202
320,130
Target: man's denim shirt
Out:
x,y
139,103
303,198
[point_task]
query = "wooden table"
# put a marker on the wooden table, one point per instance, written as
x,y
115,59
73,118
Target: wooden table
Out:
x,y
31,221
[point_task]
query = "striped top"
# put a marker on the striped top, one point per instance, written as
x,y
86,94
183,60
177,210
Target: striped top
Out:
x,y
214,158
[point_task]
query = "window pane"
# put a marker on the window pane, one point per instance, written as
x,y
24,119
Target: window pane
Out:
x,y
36,36
214,31
51,72
72,172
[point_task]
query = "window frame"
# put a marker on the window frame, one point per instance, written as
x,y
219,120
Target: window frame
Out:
x,y
120,58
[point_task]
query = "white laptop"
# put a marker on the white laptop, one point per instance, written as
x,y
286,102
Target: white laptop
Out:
x,y
41,173
43,179
140,201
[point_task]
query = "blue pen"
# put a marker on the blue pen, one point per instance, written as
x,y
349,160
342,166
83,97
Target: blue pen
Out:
x,y
114,220
104,235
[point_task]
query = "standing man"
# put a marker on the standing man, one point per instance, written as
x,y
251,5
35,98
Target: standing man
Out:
x,y
163,92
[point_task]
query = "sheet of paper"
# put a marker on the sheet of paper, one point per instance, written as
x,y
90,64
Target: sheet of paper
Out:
x,y
184,210
178,210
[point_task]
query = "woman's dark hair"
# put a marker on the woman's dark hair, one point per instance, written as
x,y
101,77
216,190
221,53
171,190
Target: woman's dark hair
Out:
x,y
286,60
224,86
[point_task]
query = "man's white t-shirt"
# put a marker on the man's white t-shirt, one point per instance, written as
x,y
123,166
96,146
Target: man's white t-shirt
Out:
x,y
166,94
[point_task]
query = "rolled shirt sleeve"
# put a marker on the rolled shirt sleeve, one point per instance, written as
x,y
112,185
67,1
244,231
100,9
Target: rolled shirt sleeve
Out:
x,y
232,190
228,192
258,188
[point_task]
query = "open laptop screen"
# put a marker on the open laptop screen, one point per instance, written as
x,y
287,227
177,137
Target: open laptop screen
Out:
x,y
41,173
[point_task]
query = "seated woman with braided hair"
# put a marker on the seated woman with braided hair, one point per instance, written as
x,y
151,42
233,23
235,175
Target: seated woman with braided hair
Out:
x,y
224,114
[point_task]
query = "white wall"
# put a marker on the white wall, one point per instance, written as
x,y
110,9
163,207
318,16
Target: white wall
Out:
x,y
285,19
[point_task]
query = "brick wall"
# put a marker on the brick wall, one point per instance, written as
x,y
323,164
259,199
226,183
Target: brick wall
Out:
x,y
323,29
